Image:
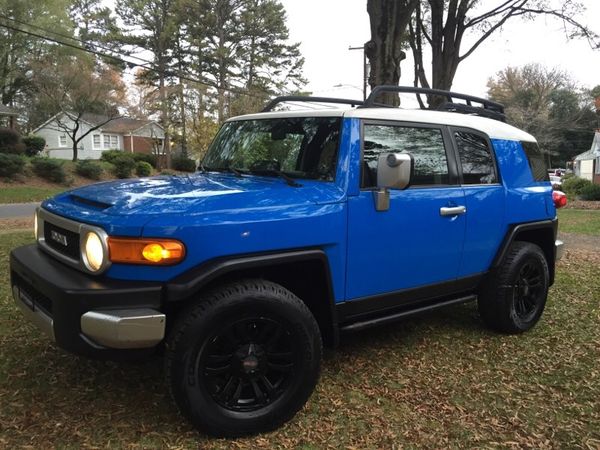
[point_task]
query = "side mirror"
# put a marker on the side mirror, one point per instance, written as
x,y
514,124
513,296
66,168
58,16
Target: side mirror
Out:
x,y
394,171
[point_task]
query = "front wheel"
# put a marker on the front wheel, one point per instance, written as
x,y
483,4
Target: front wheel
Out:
x,y
244,359
513,300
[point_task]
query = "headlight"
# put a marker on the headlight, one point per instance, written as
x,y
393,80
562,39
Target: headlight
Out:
x,y
93,252
35,225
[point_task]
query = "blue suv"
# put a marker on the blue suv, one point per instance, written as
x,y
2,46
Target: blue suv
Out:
x,y
299,225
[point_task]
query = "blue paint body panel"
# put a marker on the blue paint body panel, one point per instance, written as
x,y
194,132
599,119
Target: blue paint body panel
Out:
x,y
369,253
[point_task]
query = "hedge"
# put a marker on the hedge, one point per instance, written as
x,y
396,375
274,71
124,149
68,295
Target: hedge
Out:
x,y
11,165
143,169
10,142
34,144
183,164
89,169
49,169
590,192
123,166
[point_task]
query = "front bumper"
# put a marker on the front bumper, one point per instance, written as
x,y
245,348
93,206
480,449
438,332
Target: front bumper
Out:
x,y
87,315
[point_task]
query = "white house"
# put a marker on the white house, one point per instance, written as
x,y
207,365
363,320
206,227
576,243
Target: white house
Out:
x,y
125,134
587,164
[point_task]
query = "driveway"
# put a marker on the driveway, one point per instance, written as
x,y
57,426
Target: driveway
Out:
x,y
17,210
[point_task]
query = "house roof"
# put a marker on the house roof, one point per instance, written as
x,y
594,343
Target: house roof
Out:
x,y
121,125
593,152
6,111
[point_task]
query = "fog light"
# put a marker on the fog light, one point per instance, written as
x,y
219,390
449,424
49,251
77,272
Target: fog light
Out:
x,y
94,252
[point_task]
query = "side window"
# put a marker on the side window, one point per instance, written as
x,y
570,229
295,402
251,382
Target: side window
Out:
x,y
426,145
475,158
539,170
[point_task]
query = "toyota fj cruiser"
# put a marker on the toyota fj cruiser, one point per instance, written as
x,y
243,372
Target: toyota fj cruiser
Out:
x,y
298,225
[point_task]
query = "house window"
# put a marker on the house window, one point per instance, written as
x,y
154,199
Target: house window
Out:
x,y
106,141
114,141
96,140
598,165
62,140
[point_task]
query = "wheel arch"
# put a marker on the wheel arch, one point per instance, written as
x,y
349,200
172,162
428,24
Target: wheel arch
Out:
x,y
305,273
542,233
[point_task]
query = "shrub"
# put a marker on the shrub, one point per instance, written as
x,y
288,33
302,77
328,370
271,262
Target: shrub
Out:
x,y
11,165
568,175
183,164
143,169
123,166
574,186
111,155
89,169
49,169
10,142
146,157
34,144
590,192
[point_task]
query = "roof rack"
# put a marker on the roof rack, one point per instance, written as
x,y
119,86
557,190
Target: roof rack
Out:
x,y
488,108
304,98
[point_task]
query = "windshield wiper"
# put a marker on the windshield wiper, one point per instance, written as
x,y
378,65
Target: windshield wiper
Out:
x,y
289,180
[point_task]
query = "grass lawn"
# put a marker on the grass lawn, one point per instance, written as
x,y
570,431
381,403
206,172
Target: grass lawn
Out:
x,y
439,381
25,194
580,221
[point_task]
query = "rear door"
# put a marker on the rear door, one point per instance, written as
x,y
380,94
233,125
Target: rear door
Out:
x,y
413,244
484,199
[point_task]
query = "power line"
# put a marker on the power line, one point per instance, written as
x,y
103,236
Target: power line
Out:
x,y
123,61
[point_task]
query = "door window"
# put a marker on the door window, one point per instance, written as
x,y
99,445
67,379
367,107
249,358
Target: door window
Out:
x,y
426,145
475,158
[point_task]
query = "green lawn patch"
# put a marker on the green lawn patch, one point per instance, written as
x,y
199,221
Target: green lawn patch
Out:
x,y
579,221
438,381
25,194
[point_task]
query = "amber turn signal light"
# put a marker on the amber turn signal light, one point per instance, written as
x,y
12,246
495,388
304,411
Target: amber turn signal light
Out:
x,y
145,251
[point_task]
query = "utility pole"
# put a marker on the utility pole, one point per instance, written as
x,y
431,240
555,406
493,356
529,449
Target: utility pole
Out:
x,y
365,69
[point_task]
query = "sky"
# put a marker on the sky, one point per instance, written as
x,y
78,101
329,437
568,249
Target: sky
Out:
x,y
326,28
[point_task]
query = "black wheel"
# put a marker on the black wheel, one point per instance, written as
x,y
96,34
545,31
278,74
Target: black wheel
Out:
x,y
244,359
513,300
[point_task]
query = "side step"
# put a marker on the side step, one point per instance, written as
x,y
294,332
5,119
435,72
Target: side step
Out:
x,y
364,324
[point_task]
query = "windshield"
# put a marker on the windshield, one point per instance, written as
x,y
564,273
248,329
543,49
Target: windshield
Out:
x,y
299,147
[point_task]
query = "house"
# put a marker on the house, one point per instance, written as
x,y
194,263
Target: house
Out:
x,y
587,164
8,117
123,133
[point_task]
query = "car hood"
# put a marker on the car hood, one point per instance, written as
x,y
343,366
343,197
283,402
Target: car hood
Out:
x,y
194,194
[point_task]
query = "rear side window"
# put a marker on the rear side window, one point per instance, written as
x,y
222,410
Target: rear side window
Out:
x,y
426,145
539,170
475,158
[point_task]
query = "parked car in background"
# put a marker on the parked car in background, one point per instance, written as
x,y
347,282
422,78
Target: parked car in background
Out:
x,y
556,182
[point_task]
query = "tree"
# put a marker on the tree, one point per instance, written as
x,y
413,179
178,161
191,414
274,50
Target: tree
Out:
x,y
77,89
545,103
388,19
96,27
441,26
18,51
152,25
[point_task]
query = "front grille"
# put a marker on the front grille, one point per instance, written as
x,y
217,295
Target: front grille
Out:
x,y
33,295
63,241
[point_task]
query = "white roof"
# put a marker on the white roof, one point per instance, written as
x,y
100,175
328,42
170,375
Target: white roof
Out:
x,y
493,128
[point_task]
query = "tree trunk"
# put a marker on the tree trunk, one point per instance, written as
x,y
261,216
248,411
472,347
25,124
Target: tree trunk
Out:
x,y
389,19
165,115
74,140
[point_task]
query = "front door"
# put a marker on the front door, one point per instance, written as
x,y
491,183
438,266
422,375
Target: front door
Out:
x,y
416,243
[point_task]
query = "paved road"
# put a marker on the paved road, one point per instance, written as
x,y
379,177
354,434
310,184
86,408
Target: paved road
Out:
x,y
15,210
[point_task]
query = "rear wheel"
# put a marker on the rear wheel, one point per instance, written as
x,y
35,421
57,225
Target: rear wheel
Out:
x,y
244,360
514,298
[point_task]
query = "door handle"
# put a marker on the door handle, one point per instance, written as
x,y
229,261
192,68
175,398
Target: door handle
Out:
x,y
453,211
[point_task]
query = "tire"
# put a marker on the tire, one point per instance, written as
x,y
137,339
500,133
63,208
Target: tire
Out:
x,y
244,359
513,299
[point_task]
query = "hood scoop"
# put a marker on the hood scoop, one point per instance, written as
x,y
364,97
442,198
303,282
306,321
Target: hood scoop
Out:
x,y
100,206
